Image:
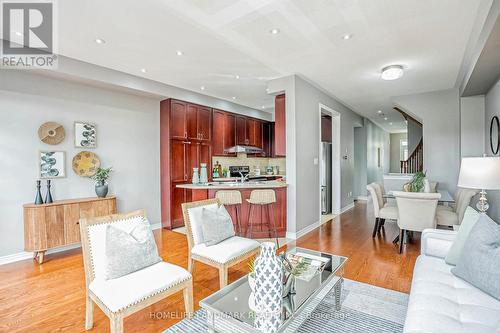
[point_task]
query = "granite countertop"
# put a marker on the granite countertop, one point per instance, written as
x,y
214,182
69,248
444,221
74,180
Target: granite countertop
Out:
x,y
234,185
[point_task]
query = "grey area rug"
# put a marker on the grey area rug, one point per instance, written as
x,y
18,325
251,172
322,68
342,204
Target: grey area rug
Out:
x,y
365,309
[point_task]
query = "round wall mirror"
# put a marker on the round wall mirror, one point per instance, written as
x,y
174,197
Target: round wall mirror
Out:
x,y
494,135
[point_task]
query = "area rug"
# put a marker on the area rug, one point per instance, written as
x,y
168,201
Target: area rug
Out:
x,y
365,309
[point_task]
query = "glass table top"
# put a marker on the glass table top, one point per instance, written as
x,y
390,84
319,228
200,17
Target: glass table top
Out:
x,y
445,196
233,300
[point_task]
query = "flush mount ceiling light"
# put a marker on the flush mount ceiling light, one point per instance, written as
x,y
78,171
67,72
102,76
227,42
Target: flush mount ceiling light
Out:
x,y
100,41
179,52
346,37
275,31
392,72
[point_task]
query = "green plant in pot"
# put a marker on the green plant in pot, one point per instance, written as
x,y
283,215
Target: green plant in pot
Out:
x,y
417,183
101,185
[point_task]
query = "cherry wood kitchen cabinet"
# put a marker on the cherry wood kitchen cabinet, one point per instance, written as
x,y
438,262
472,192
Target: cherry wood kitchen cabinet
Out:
x,y
178,116
224,131
199,122
248,131
241,130
279,126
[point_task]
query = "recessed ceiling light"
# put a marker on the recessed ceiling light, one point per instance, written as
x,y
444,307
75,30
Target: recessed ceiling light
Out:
x,y
346,37
267,90
263,107
237,76
100,41
275,31
385,118
233,97
179,52
379,111
390,124
19,34
144,70
392,72
202,87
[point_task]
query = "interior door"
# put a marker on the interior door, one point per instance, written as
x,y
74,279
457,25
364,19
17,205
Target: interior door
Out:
x,y
204,121
178,120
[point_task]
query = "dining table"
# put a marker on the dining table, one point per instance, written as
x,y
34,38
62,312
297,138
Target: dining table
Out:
x,y
446,197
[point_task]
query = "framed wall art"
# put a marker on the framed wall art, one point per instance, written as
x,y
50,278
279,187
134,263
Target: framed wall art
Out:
x,y
85,135
51,164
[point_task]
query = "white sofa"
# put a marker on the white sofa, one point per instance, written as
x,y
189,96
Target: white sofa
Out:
x,y
439,301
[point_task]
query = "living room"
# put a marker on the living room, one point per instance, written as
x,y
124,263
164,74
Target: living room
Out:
x,y
158,166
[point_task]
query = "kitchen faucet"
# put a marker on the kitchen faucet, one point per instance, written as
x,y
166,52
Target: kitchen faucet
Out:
x,y
243,177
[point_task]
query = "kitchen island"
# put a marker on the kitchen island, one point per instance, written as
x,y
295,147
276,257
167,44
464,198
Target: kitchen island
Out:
x,y
260,216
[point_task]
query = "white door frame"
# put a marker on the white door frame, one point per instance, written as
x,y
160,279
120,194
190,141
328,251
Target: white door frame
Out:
x,y
336,180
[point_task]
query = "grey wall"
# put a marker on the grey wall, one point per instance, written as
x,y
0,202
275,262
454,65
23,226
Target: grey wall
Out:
x,y
360,155
128,140
492,108
303,128
376,138
414,135
395,151
440,113
472,130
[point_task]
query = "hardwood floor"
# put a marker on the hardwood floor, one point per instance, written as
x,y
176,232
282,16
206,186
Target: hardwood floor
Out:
x,y
51,297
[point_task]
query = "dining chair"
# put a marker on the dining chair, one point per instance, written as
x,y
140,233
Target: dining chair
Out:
x,y
223,255
122,296
381,210
450,216
416,212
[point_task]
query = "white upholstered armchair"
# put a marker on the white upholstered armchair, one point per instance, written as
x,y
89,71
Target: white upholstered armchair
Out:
x,y
450,216
119,297
223,255
381,209
416,212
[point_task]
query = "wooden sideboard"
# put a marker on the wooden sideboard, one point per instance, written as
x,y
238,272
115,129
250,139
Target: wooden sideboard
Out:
x,y
56,224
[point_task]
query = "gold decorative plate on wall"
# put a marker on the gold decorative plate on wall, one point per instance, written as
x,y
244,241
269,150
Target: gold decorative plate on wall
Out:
x,y
51,133
85,164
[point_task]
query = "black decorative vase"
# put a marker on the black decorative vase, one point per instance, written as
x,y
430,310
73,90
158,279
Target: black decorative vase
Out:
x,y
48,197
38,199
101,190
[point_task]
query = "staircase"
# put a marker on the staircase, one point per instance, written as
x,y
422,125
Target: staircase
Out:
x,y
415,161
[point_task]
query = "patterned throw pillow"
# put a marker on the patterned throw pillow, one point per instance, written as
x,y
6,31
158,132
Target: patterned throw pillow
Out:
x,y
128,252
479,263
217,225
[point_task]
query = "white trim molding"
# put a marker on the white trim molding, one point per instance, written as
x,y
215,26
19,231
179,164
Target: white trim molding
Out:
x,y
362,198
346,208
10,258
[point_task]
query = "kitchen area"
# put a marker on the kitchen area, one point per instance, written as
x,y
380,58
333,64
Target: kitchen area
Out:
x,y
205,150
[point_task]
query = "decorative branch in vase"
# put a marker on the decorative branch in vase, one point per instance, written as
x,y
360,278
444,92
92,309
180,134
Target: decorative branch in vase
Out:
x,y
101,176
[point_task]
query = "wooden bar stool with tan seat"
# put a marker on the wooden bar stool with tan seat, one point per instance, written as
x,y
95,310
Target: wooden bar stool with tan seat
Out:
x,y
232,198
265,199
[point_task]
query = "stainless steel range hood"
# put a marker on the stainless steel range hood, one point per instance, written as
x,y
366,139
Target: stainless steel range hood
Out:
x,y
244,149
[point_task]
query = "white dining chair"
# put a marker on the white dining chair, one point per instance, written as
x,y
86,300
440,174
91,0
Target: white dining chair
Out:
x,y
416,212
450,216
381,210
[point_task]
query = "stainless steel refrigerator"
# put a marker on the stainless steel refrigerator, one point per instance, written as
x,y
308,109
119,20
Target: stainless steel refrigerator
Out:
x,y
326,177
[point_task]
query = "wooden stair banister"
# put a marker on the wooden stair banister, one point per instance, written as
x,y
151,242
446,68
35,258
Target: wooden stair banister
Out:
x,y
415,161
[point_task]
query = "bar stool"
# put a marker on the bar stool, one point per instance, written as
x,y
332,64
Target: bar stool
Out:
x,y
264,198
232,198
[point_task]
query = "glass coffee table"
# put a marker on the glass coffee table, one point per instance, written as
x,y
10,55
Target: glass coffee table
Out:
x,y
228,309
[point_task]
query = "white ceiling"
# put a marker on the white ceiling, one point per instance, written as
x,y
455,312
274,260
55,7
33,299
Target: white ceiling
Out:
x,y
224,38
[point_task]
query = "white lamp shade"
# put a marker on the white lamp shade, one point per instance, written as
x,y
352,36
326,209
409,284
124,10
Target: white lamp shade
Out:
x,y
482,173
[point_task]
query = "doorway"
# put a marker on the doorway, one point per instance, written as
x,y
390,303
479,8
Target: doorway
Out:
x,y
329,163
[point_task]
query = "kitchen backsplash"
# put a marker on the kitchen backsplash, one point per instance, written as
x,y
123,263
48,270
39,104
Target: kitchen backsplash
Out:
x,y
260,162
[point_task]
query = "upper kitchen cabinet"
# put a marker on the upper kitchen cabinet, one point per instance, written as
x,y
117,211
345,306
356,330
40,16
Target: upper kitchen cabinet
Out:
x,y
248,131
279,126
178,119
198,122
224,133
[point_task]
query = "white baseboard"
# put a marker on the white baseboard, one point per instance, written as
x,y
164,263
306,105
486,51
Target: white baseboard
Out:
x,y
10,258
362,198
346,208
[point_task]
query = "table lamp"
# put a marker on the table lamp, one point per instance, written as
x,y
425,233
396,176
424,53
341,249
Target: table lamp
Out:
x,y
480,173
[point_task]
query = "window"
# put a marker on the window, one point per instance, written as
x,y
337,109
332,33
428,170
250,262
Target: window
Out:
x,y
403,150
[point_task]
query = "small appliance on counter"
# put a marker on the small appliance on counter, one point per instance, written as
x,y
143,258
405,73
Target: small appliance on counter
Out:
x,y
234,171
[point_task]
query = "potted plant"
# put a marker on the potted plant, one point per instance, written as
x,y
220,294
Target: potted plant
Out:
x,y
100,177
417,183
